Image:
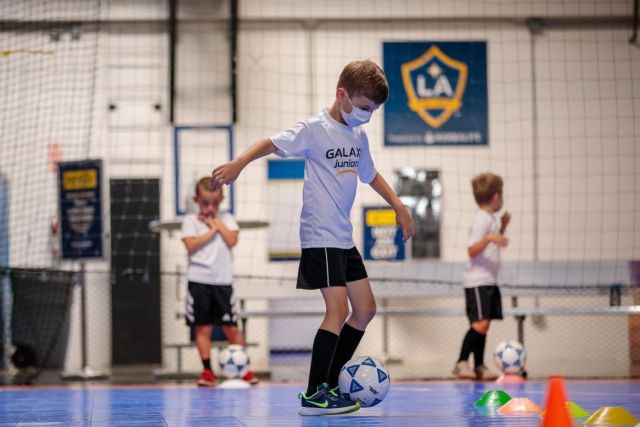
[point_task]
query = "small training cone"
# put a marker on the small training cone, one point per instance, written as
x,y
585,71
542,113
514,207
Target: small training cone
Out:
x,y
519,406
575,411
492,398
557,414
234,384
612,416
510,379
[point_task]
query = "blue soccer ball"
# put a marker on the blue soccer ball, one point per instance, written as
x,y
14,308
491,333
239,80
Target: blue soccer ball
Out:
x,y
233,361
510,357
364,380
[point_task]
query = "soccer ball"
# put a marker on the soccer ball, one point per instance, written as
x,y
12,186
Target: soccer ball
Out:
x,y
364,379
510,357
233,361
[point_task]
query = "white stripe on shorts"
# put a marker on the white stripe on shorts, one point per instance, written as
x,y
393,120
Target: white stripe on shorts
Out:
x,y
326,260
189,308
478,304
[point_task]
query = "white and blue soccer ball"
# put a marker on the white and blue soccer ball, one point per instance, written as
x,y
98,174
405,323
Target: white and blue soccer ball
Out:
x,y
510,357
233,361
365,380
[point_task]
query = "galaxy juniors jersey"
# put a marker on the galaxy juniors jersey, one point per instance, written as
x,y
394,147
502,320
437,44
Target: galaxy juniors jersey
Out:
x,y
335,156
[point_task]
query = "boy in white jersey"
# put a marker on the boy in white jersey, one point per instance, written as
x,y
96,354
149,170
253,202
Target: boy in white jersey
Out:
x,y
336,152
209,237
481,275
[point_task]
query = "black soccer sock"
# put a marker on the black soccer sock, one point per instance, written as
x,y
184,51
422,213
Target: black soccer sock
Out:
x,y
469,344
206,363
324,345
347,343
478,351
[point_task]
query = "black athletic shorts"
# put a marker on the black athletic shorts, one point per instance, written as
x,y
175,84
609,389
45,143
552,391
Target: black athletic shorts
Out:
x,y
211,305
483,302
323,267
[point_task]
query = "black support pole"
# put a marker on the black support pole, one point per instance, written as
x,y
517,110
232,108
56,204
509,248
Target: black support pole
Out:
x,y
233,37
634,34
173,7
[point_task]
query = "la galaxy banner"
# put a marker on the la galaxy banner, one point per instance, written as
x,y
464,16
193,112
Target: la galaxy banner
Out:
x,y
438,93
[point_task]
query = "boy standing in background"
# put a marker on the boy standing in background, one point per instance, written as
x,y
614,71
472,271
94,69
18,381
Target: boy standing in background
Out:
x,y
480,280
209,237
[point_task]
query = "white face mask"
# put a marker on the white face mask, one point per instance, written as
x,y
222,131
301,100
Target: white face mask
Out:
x,y
357,116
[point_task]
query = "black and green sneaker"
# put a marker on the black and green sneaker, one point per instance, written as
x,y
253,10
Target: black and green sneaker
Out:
x,y
336,392
326,402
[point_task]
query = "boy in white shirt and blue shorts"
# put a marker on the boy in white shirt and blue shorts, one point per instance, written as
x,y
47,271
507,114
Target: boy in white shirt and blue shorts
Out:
x,y
336,152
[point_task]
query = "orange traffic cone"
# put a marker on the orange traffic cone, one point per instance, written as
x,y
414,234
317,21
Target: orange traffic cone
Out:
x,y
556,414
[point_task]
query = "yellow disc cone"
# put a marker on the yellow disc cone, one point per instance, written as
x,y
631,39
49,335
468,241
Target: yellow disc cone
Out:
x,y
612,416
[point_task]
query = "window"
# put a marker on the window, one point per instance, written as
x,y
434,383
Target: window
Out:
x,y
421,191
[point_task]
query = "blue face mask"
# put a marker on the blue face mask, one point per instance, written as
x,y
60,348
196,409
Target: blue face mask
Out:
x,y
357,116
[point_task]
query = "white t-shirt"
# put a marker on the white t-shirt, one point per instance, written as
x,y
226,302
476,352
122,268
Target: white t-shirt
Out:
x,y
482,269
212,263
335,155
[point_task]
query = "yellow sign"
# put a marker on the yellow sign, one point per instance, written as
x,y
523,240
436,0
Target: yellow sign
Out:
x,y
83,179
380,218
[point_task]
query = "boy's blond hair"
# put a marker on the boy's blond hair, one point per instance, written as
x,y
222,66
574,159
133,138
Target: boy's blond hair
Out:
x,y
204,184
365,78
485,186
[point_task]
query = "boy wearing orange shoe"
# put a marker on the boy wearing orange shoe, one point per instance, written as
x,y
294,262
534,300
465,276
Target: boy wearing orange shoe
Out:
x,y
209,237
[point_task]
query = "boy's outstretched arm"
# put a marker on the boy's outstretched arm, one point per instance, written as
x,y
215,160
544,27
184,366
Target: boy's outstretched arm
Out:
x,y
403,219
228,172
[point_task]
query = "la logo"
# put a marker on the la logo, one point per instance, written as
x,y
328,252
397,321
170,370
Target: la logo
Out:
x,y
434,104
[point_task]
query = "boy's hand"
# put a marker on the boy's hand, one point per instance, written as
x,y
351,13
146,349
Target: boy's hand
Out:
x,y
404,221
504,221
212,223
226,173
498,239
